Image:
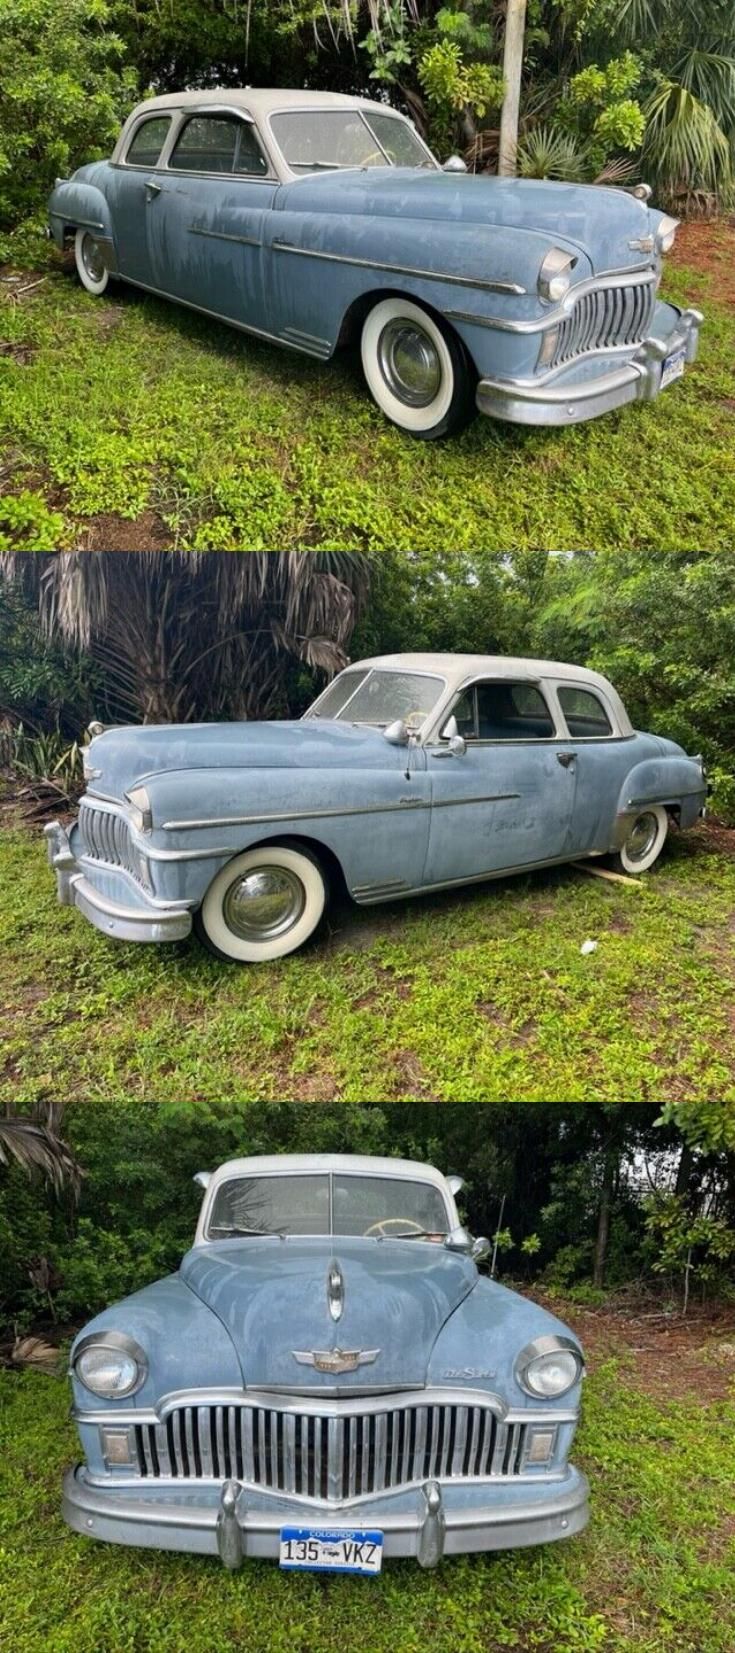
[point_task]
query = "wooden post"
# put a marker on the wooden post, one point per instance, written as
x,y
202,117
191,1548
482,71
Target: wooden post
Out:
x,y
515,27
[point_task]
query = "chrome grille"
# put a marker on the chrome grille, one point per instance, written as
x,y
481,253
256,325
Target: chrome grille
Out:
x,y
106,837
607,316
330,1458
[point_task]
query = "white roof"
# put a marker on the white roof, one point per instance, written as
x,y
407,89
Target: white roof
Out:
x,y
258,100
372,1164
458,667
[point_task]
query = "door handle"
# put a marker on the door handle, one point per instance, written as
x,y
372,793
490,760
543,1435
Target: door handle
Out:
x,y
152,189
565,759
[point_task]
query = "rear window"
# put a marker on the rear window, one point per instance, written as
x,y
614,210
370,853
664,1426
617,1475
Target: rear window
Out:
x,y
148,140
584,713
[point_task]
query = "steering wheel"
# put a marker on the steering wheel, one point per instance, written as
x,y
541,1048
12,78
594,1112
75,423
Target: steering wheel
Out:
x,y
375,158
393,1222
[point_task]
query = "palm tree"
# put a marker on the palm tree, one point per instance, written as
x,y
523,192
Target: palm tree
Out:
x,y
35,1144
182,635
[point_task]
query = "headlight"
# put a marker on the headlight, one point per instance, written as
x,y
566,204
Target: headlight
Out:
x,y
111,1365
555,275
549,1367
666,234
141,813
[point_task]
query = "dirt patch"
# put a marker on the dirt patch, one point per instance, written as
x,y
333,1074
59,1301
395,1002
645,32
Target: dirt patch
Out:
x,y
110,532
671,1357
20,353
708,246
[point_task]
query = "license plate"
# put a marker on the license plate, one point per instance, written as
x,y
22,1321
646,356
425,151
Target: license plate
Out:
x,y
673,367
318,1549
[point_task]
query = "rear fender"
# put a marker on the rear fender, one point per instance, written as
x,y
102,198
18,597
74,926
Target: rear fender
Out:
x,y
76,204
675,782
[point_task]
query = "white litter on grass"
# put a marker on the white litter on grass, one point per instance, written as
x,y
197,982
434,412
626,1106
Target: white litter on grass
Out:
x,y
588,947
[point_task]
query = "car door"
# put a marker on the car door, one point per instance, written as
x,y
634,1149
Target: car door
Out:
x,y
507,800
206,218
130,187
602,759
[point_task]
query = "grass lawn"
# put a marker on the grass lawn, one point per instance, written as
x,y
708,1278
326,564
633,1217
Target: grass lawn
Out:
x,y
481,995
128,423
652,1574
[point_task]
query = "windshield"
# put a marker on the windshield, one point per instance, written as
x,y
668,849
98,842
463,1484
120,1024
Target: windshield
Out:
x,y
326,140
380,697
324,1203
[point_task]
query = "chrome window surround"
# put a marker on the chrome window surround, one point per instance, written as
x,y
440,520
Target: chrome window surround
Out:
x,y
549,1345
155,115
384,1176
120,1343
518,740
178,119
244,118
204,1428
430,737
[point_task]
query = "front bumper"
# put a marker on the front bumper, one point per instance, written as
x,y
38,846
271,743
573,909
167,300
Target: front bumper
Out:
x,y
565,398
237,1523
113,903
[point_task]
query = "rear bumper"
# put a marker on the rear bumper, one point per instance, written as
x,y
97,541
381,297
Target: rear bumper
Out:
x,y
236,1523
113,904
566,398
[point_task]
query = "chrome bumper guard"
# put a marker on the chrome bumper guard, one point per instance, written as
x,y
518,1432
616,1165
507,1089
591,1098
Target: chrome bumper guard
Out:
x,y
136,920
525,402
236,1528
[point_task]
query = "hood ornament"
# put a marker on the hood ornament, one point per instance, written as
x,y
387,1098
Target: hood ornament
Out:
x,y
335,1360
335,1290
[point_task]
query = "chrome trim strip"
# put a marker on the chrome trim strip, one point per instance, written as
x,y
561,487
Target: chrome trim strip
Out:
x,y
400,269
327,814
320,1402
219,235
216,315
484,877
611,278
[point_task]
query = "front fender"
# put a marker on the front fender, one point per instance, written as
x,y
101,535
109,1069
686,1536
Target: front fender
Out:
x,y
675,780
75,203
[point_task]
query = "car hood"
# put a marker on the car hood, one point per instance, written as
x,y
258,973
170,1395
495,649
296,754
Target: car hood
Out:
x,y
596,219
128,756
271,1296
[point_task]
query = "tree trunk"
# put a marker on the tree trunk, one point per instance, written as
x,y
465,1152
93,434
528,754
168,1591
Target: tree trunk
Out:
x,y
684,1172
515,25
603,1221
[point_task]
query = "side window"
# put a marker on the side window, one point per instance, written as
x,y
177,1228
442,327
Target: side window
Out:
x,y
218,143
512,711
585,714
464,712
148,140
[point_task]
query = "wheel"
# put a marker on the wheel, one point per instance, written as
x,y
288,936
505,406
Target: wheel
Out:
x,y
262,904
645,841
417,369
91,268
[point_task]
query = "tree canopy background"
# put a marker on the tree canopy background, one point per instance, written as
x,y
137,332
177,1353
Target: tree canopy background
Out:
x,y
612,89
578,1196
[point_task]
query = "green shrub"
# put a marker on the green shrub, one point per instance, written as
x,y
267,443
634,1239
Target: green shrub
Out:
x,y
63,94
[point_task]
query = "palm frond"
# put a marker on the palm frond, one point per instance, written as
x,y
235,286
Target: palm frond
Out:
x,y
684,146
36,1146
545,152
710,76
35,1352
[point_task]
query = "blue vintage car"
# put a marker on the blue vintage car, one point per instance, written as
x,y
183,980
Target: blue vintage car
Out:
x,y
312,219
411,772
327,1380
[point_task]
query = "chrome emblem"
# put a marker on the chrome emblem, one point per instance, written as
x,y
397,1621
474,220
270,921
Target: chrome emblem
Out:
x,y
335,1360
335,1290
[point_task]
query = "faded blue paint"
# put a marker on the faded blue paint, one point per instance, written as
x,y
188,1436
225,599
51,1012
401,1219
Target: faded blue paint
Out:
x,y
351,237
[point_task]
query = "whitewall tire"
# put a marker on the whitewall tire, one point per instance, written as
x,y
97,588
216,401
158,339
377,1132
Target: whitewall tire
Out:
x,y
417,369
262,905
644,842
91,268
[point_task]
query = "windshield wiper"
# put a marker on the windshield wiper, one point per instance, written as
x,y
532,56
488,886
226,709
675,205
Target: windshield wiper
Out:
x,y
235,1228
409,1234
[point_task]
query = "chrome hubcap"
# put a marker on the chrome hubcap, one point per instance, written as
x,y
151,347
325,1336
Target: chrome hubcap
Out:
x,y
409,362
641,838
92,259
263,904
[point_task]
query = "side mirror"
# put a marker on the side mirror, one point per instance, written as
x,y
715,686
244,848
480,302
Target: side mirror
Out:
x,y
455,1184
203,1178
396,733
454,163
455,741
480,1249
